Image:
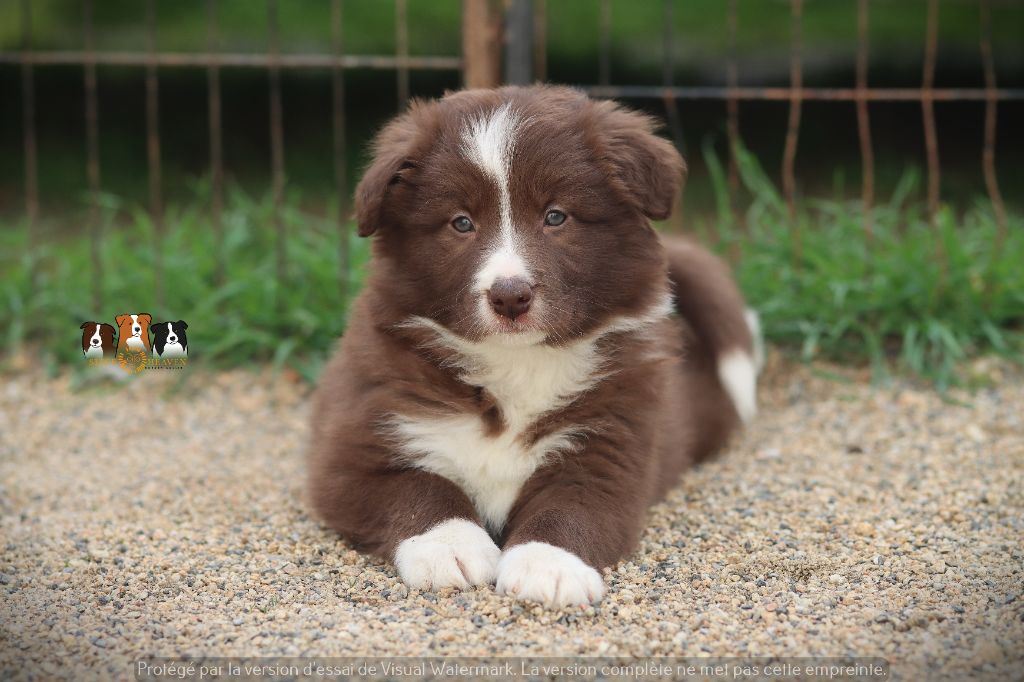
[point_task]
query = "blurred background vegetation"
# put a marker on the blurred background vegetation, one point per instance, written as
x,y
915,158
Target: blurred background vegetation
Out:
x,y
828,155
891,302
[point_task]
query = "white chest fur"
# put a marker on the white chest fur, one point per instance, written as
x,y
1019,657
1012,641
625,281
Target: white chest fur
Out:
x,y
173,350
527,381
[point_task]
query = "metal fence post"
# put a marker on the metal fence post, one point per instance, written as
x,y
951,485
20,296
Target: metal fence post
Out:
x,y
338,125
540,41
28,113
931,141
796,79
988,155
92,164
795,101
732,125
156,202
216,146
519,42
277,149
402,52
867,154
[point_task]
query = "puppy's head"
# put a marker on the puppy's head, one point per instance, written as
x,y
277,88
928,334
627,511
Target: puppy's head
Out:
x,y
136,325
520,213
97,335
170,332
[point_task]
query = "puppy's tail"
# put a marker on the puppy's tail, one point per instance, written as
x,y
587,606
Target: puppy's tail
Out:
x,y
727,333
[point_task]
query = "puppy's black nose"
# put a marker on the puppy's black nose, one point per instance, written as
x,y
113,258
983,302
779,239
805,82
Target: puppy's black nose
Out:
x,y
510,296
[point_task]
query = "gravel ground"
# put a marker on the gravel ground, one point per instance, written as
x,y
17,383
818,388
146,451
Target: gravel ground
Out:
x,y
167,518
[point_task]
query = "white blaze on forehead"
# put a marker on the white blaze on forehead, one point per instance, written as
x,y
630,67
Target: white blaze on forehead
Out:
x,y
96,335
489,142
502,262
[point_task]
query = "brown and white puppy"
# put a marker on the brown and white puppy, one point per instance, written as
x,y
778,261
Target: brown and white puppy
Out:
x,y
133,332
97,340
513,390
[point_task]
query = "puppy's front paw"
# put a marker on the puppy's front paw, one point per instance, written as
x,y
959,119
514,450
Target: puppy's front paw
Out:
x,y
537,571
455,553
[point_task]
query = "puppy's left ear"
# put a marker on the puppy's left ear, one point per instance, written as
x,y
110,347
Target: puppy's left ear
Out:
x,y
394,161
146,317
646,169
182,324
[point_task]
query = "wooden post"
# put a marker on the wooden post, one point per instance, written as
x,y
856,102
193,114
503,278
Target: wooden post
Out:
x,y
481,43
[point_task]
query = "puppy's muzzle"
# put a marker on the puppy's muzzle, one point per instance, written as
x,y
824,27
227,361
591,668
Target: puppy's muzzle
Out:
x,y
510,297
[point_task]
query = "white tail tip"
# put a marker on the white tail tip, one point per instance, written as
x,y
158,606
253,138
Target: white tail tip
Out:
x,y
754,324
738,374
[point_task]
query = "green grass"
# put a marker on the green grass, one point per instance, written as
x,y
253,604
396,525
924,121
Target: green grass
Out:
x,y
247,321
915,299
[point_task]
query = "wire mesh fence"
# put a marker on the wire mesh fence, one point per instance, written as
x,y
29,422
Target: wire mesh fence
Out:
x,y
796,94
214,62
497,37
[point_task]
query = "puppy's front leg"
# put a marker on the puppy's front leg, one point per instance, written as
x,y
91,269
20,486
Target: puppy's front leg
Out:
x,y
572,518
421,521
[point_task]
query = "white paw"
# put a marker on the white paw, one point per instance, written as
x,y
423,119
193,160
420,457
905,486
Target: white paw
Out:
x,y
738,375
454,553
537,571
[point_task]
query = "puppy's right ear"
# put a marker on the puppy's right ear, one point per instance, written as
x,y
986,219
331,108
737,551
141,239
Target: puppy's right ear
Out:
x,y
120,319
394,154
646,169
85,324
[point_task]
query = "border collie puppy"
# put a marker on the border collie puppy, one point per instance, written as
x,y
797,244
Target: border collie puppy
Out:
x,y
97,340
169,340
529,365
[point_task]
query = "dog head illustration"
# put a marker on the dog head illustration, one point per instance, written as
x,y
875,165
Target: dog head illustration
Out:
x,y
169,340
133,332
97,340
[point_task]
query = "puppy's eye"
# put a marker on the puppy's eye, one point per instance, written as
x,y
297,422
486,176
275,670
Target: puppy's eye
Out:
x,y
554,218
462,224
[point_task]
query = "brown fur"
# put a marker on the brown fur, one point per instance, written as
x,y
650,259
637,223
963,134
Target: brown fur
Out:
x,y
660,408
